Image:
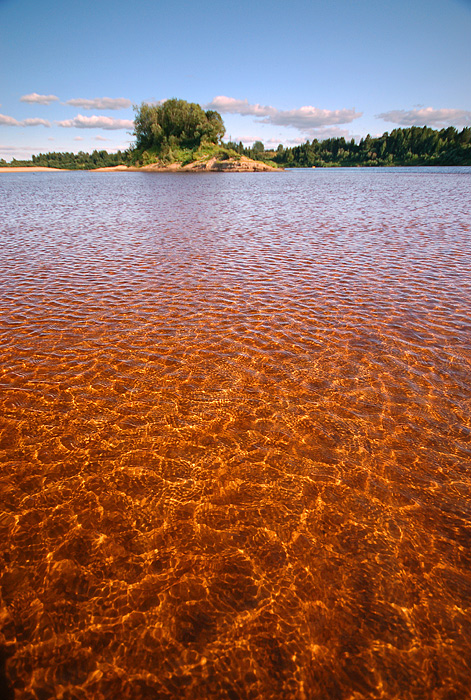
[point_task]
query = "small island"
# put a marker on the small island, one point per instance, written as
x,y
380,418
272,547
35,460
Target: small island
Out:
x,y
180,136
216,163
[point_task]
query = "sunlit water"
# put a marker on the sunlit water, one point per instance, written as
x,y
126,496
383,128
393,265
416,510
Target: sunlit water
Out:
x,y
235,435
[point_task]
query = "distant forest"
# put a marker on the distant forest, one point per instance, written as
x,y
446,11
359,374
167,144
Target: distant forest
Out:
x,y
73,161
411,146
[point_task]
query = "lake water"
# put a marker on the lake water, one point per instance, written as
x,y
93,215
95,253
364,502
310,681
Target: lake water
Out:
x,y
236,435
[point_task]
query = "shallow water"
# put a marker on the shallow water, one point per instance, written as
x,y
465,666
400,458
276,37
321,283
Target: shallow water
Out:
x,y
236,435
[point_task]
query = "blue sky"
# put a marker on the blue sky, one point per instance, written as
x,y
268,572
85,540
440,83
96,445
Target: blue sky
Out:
x,y
277,71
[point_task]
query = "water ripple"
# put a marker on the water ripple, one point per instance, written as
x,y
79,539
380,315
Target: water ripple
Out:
x,y
236,434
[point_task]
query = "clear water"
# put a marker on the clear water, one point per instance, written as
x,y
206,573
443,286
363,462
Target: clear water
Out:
x,y
235,434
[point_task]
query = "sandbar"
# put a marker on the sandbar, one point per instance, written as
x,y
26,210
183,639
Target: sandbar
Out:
x,y
234,165
33,169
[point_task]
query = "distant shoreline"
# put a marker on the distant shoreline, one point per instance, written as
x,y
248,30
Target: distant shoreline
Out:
x,y
33,169
241,164
177,168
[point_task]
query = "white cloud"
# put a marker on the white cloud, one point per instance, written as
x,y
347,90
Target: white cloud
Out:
x,y
78,138
156,103
246,140
100,138
229,105
428,116
81,122
39,99
332,132
35,122
319,134
21,152
304,118
11,121
101,103
8,121
14,149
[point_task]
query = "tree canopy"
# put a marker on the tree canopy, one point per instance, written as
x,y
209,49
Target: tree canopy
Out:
x,y
176,124
175,130
411,146
75,161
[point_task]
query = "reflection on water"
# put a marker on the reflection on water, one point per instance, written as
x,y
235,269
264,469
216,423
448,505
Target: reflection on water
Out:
x,y
236,435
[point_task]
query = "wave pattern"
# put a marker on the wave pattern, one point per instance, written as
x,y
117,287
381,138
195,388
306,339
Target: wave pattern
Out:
x,y
236,435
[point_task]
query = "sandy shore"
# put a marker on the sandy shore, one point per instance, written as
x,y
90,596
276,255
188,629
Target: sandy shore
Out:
x,y
234,165
239,165
34,169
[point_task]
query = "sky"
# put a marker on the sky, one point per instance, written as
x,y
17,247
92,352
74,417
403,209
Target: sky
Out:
x,y
277,71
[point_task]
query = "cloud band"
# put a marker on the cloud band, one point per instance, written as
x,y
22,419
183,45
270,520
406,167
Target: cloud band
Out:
x,y
427,116
101,103
11,121
304,118
34,98
94,122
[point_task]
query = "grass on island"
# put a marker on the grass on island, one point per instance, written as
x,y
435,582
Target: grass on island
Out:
x,y
186,156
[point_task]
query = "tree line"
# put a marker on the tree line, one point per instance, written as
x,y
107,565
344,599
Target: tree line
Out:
x,y
180,131
73,161
410,146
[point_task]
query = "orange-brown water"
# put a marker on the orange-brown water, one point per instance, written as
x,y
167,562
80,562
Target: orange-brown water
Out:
x,y
235,435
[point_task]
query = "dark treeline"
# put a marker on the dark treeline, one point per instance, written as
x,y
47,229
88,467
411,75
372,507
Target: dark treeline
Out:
x,y
75,161
411,146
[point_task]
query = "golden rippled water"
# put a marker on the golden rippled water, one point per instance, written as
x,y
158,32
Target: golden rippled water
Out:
x,y
235,435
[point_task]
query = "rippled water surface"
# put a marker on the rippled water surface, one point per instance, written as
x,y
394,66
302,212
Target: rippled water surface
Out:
x,y
235,435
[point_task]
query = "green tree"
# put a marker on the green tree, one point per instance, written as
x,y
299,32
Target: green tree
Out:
x,y
176,124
